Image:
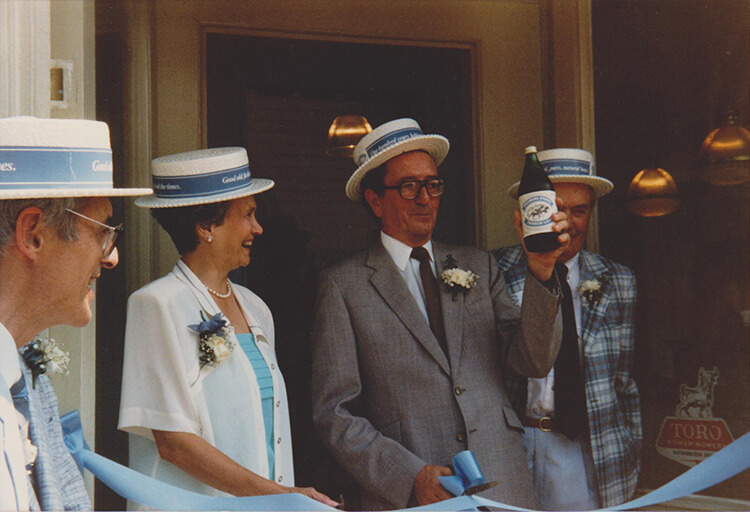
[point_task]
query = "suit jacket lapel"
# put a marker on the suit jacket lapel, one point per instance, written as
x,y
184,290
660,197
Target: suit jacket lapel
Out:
x,y
387,280
453,310
592,314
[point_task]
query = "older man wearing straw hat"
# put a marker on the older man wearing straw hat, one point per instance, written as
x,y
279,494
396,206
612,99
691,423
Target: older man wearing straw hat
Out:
x,y
411,339
583,438
55,180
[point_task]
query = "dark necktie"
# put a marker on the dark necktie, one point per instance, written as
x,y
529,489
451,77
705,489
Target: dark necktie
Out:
x,y
431,295
570,395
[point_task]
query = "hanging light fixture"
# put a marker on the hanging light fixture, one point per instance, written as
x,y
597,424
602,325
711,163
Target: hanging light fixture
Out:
x,y
725,154
344,134
652,193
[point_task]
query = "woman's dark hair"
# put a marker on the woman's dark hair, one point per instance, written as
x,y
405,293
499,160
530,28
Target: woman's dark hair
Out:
x,y
180,222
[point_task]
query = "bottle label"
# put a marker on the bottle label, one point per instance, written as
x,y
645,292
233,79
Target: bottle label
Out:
x,y
536,211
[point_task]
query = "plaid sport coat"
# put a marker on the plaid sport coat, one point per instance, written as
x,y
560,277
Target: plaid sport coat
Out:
x,y
58,481
608,342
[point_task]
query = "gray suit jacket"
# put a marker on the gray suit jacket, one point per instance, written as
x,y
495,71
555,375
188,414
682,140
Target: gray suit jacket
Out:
x,y
387,400
58,481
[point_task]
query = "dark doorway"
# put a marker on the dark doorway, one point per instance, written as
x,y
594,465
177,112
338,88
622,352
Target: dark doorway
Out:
x,y
277,97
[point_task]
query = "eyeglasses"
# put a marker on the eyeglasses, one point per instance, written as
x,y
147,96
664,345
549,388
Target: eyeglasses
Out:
x,y
108,243
410,189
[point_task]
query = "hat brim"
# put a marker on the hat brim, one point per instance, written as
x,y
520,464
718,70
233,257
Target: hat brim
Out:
x,y
54,193
436,145
601,186
257,186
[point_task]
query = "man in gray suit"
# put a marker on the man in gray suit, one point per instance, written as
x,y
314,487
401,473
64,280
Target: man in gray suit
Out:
x,y
407,367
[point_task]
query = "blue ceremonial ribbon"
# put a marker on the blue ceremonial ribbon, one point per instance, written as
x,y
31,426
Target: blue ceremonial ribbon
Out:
x,y
134,486
467,474
150,492
722,465
726,463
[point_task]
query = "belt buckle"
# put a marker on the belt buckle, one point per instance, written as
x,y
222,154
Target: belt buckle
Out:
x,y
545,424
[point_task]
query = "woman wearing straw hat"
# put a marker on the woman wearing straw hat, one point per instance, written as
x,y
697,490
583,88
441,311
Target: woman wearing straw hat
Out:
x,y
202,394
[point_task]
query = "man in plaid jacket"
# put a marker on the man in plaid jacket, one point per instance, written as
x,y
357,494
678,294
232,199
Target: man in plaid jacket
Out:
x,y
600,467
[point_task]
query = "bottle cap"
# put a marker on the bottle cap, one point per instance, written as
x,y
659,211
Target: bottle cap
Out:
x,y
529,149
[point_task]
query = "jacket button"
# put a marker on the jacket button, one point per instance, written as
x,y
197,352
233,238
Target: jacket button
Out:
x,y
460,437
278,403
278,441
273,366
458,391
280,479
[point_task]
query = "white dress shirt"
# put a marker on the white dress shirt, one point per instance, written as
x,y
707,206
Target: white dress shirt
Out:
x,y
540,399
13,487
409,267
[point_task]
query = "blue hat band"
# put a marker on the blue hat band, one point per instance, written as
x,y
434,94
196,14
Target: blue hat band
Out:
x,y
567,167
28,167
202,185
389,140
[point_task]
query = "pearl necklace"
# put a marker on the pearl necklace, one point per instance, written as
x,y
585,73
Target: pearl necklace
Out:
x,y
221,295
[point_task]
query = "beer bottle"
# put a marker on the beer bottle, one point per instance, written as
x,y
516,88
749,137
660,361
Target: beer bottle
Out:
x,y
536,197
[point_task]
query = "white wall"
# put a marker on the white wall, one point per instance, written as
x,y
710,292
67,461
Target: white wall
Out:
x,y
33,34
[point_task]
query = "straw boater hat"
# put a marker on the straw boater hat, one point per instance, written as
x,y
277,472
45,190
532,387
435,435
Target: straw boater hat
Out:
x,y
569,166
201,177
387,141
50,158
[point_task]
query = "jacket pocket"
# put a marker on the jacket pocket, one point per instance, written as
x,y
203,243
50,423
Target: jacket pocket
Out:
x,y
391,430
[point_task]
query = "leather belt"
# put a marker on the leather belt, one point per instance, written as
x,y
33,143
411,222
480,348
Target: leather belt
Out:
x,y
545,423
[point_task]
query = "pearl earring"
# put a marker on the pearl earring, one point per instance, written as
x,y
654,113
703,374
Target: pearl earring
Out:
x,y
210,238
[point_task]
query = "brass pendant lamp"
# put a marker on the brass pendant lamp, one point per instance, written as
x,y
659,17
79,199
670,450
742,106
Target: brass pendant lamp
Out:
x,y
652,193
725,154
344,134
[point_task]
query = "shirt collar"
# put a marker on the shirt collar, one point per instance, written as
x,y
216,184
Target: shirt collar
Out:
x,y
573,269
400,252
10,368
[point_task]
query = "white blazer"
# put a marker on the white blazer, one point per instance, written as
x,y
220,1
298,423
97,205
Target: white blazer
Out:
x,y
164,387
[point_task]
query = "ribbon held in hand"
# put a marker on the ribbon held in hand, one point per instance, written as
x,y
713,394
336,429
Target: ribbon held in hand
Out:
x,y
468,478
158,495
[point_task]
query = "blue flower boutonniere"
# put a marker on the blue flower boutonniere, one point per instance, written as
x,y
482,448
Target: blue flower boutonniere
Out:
x,y
458,279
44,356
213,340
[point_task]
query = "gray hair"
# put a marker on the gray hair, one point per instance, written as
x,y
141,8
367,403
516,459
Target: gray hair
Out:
x,y
54,215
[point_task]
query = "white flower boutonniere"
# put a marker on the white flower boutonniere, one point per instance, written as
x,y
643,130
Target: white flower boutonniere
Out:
x,y
456,278
44,356
591,291
213,340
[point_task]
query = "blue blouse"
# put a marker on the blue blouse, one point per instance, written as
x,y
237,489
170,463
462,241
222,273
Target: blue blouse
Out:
x,y
265,383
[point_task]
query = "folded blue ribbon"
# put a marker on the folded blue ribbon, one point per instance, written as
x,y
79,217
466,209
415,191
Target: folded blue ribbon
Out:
x,y
134,486
467,474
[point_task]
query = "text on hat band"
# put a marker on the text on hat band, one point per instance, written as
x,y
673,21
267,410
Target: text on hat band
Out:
x,y
389,140
200,185
31,167
566,166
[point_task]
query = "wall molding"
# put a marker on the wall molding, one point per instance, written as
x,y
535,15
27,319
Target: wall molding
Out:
x,y
24,51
